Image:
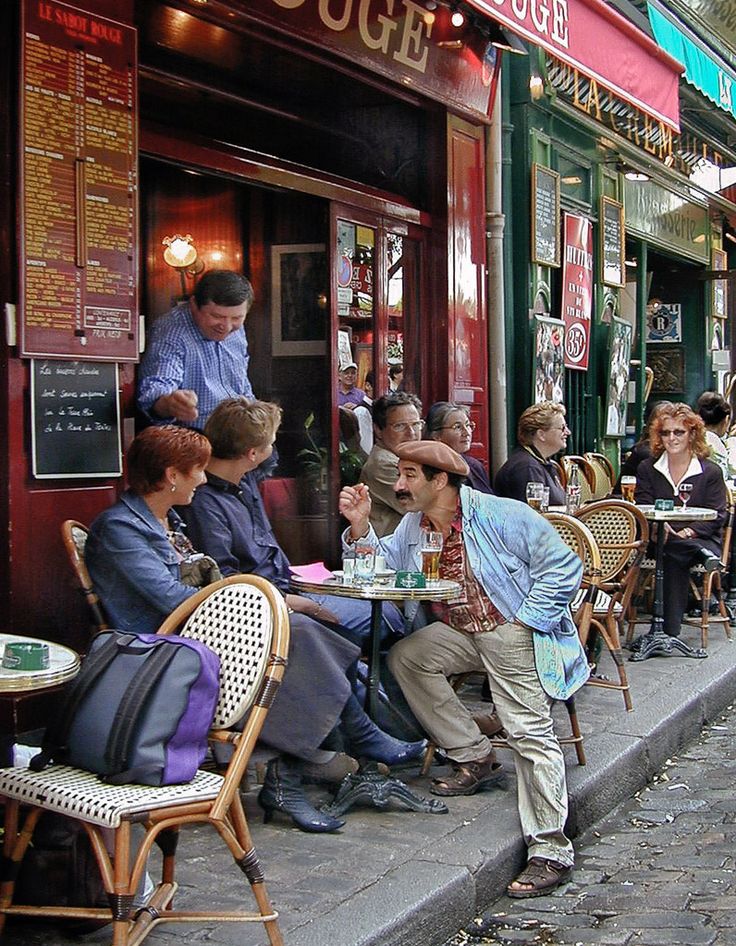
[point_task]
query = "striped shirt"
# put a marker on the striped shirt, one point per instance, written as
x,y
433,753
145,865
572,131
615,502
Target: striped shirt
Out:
x,y
178,356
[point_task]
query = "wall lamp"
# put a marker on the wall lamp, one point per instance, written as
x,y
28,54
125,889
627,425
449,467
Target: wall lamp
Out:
x,y
631,174
729,233
181,254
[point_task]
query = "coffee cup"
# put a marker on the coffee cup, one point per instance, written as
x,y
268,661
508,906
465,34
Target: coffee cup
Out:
x,y
26,655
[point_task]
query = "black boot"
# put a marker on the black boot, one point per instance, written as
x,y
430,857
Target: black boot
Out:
x,y
366,739
282,791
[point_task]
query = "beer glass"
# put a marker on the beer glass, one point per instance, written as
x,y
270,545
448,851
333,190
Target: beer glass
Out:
x,y
431,551
535,495
628,488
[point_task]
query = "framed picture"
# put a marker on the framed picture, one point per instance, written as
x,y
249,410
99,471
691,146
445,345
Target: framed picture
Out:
x,y
664,321
545,216
668,365
549,360
612,243
720,286
618,377
299,289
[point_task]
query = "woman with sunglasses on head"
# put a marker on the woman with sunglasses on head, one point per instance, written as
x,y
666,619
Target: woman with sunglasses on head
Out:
x,y
679,470
451,424
541,432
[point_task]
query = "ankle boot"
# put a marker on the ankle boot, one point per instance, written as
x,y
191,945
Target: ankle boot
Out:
x,y
282,791
366,739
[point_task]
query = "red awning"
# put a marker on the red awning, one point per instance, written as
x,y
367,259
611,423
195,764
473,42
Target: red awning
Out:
x,y
594,38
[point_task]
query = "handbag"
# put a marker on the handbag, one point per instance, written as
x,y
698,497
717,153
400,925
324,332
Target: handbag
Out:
x,y
199,570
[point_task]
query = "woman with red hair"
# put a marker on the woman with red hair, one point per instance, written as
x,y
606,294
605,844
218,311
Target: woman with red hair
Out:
x,y
679,458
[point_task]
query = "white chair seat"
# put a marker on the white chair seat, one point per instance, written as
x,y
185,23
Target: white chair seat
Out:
x,y
81,794
602,602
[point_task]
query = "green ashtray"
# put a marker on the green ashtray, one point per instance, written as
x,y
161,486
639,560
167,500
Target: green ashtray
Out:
x,y
410,580
664,505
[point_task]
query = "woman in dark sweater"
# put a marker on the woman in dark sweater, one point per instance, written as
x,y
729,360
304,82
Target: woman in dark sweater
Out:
x,y
679,452
542,432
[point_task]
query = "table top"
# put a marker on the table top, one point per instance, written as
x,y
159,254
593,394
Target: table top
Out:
x,y
681,513
63,665
382,591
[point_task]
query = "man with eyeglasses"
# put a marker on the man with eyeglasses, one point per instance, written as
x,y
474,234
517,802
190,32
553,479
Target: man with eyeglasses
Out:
x,y
541,432
396,420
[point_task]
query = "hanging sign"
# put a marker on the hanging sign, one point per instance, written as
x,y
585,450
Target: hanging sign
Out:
x,y
78,185
577,290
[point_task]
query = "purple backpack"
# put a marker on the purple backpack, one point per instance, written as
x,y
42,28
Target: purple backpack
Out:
x,y
138,711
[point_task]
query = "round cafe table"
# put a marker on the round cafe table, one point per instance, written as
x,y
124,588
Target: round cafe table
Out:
x,y
27,696
656,643
377,593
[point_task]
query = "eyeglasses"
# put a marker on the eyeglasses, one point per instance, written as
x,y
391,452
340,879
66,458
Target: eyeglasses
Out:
x,y
564,427
468,425
402,428
675,432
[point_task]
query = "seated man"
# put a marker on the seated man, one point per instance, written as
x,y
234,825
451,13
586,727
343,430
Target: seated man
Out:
x,y
511,619
396,420
227,518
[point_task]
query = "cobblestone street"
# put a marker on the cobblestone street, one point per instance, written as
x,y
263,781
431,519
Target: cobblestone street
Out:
x,y
660,869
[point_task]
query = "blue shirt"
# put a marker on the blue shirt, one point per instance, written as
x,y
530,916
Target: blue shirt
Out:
x,y
229,523
178,356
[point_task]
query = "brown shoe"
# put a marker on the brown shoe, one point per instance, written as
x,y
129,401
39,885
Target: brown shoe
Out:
x,y
469,777
490,725
540,877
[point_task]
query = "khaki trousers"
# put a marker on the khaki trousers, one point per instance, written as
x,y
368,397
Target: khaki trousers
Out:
x,y
422,663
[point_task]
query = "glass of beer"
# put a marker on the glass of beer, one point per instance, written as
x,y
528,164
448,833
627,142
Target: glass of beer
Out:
x,y
431,551
628,488
535,495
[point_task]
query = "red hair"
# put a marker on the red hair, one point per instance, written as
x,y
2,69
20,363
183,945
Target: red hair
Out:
x,y
157,448
690,421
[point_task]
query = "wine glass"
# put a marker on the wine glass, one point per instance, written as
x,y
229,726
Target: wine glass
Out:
x,y
684,491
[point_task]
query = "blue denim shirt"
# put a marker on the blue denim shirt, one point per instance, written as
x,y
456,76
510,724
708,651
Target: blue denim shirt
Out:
x,y
133,566
526,570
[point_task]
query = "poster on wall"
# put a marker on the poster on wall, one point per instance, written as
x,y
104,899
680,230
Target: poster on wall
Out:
x,y
720,286
664,321
618,378
545,189
549,367
577,289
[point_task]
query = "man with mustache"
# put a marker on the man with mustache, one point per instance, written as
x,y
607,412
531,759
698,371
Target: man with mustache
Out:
x,y
511,619
197,354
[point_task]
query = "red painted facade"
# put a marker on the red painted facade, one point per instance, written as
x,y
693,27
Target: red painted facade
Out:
x,y
250,138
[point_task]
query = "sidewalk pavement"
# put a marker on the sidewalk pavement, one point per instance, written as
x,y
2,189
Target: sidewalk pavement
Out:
x,y
400,878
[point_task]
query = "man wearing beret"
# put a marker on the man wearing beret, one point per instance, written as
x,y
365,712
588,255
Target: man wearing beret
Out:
x,y
511,618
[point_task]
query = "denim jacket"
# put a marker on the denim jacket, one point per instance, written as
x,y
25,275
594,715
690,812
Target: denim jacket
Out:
x,y
133,566
525,569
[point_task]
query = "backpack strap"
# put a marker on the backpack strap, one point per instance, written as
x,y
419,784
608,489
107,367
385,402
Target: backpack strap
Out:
x,y
57,733
132,705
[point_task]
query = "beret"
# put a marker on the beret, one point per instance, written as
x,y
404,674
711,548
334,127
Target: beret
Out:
x,y
433,453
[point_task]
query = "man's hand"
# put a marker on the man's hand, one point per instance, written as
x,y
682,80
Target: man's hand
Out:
x,y
355,504
181,404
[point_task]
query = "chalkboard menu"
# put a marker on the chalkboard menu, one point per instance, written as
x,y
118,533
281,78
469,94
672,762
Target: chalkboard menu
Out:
x,y
612,242
78,181
545,216
75,427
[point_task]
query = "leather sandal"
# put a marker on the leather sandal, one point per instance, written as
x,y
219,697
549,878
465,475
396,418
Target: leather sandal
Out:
x,y
542,877
469,777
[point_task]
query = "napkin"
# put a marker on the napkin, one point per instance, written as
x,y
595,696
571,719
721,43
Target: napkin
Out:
x,y
315,571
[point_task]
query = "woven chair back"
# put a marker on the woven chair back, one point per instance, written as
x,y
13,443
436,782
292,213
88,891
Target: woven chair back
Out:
x,y
74,535
586,476
236,618
621,532
603,477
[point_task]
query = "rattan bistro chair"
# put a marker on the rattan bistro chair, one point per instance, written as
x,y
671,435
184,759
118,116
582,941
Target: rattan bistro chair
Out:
x,y
712,584
603,474
586,475
590,606
74,536
621,532
244,620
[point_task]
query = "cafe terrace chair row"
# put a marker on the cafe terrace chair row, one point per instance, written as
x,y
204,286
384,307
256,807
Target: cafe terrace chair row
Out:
x,y
244,620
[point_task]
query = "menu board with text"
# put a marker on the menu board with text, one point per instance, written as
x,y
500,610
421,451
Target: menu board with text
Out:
x,y
78,185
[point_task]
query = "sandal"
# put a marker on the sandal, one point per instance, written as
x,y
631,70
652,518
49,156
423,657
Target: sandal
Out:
x,y
542,876
469,777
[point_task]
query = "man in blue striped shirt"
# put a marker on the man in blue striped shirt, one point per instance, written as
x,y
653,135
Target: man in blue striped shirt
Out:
x,y
197,354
